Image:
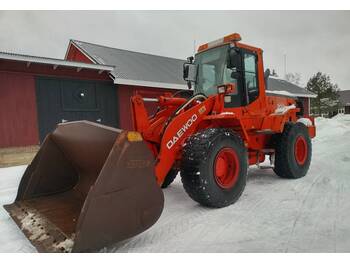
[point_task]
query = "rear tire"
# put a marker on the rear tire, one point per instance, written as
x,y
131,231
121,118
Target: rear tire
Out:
x,y
170,178
293,151
214,167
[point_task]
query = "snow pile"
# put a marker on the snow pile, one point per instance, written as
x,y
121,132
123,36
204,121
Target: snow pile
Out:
x,y
305,121
65,245
310,214
332,128
282,109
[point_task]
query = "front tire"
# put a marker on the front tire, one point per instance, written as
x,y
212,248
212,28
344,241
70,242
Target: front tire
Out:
x,y
293,151
214,167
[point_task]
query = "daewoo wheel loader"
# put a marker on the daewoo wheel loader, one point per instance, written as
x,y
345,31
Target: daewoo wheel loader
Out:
x,y
91,185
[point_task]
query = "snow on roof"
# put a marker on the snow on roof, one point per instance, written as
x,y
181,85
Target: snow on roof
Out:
x,y
53,61
282,85
277,92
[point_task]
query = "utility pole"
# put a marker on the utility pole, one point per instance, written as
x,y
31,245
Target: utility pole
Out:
x,y
285,65
194,46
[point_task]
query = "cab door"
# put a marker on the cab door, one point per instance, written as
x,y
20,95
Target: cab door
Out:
x,y
245,76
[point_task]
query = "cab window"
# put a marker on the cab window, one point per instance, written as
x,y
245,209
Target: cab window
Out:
x,y
250,76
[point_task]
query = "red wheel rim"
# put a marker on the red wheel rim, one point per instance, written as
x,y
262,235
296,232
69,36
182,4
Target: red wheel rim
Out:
x,y
300,150
226,168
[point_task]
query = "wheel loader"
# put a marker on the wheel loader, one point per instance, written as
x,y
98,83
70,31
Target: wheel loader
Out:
x,y
90,185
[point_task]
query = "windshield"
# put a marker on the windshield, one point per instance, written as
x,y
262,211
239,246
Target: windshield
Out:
x,y
211,70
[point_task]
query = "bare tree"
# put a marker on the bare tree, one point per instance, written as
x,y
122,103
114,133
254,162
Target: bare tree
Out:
x,y
293,78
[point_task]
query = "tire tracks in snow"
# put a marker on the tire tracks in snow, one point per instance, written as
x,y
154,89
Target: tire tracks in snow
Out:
x,y
299,213
242,211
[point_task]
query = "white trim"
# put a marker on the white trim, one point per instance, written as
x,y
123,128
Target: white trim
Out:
x,y
122,81
284,93
53,61
67,50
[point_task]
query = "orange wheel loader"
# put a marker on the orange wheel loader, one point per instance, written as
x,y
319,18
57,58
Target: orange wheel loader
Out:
x,y
91,186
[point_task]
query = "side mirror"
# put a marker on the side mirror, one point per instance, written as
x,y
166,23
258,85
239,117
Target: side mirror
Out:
x,y
190,73
234,59
235,75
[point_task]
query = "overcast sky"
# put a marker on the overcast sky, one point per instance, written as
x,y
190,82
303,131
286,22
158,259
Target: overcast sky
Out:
x,y
312,40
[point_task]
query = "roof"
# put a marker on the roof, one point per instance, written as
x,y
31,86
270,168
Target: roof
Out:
x,y
344,97
136,68
52,61
281,86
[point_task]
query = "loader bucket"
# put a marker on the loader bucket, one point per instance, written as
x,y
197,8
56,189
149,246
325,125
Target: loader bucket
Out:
x,y
89,186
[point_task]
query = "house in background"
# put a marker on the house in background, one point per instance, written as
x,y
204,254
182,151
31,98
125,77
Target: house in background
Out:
x,y
280,86
344,102
92,82
331,107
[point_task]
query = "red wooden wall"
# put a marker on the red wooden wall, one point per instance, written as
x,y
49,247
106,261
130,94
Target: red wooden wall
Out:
x,y
124,95
306,104
74,54
18,110
18,115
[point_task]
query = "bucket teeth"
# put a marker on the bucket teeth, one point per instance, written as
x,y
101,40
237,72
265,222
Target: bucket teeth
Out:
x,y
88,187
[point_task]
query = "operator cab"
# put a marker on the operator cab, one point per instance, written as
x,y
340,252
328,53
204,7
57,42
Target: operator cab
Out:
x,y
221,65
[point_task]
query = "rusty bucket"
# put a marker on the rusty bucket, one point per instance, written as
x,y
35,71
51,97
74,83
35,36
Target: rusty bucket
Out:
x,y
88,187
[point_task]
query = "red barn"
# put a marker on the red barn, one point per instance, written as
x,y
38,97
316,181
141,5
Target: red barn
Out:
x,y
93,83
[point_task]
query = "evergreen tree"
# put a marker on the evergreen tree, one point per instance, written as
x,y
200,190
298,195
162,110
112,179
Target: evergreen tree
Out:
x,y
327,92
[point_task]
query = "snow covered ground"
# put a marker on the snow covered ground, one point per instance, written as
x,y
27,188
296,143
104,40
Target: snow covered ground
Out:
x,y
311,214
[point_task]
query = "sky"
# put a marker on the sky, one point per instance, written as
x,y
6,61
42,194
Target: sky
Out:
x,y
311,41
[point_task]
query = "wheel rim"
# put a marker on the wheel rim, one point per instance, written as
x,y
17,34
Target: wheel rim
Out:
x,y
300,150
226,168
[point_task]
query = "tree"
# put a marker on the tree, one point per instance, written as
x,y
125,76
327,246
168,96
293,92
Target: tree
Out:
x,y
293,78
327,93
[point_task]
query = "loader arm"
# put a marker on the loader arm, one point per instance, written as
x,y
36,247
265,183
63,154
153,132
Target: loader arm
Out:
x,y
166,132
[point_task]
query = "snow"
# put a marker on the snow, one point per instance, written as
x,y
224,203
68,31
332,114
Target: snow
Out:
x,y
27,224
305,121
66,245
280,92
282,109
310,214
11,238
